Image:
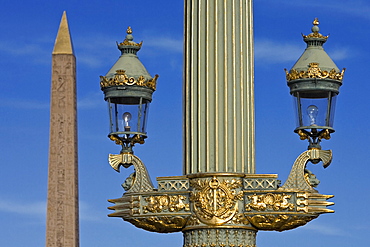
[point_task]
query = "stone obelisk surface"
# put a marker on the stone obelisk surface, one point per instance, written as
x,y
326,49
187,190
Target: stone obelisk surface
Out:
x,y
62,227
218,91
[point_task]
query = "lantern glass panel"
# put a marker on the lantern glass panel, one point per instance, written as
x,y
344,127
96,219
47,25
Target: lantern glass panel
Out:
x,y
314,111
128,115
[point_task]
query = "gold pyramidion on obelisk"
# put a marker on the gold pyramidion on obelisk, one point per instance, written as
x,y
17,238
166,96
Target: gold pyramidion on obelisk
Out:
x,y
62,227
63,42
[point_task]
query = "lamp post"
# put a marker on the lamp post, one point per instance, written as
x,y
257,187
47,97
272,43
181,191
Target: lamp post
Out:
x,y
219,200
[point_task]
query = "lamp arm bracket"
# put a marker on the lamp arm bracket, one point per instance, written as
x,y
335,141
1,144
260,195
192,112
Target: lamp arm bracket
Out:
x,y
297,179
140,180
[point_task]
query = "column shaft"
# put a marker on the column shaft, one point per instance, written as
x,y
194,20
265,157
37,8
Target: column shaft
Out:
x,y
218,87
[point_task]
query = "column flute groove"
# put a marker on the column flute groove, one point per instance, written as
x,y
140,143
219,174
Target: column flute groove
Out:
x,y
217,90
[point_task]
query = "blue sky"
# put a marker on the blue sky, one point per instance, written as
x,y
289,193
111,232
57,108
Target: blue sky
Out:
x,y
27,35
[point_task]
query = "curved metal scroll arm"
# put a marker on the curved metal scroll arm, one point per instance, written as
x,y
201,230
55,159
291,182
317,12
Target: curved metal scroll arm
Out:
x,y
137,182
297,178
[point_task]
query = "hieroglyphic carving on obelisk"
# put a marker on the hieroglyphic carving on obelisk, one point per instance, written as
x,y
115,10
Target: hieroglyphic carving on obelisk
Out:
x,y
62,226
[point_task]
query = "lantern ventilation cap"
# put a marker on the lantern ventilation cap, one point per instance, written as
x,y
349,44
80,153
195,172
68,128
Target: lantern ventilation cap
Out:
x,y
128,45
128,70
314,63
315,38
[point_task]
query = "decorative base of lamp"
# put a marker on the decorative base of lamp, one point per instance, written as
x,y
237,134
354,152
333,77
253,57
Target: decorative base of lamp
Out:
x,y
221,209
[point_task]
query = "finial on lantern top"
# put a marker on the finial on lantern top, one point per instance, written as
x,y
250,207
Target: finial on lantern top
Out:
x,y
316,21
128,45
315,32
129,30
315,28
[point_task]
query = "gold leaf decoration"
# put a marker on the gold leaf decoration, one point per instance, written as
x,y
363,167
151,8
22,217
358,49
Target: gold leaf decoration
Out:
x,y
120,79
214,201
269,202
163,203
279,222
314,71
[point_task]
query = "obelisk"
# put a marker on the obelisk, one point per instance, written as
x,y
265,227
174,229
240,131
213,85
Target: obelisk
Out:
x,y
62,227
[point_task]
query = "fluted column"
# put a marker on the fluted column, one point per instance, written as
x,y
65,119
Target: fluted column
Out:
x,y
218,81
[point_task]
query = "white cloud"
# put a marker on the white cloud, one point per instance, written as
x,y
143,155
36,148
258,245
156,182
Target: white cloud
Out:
x,y
95,51
32,208
326,229
267,51
166,43
90,51
38,53
341,54
38,209
90,101
274,52
89,60
359,8
86,213
24,104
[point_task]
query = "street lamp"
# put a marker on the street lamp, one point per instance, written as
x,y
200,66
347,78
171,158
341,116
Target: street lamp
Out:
x,y
314,83
219,200
128,89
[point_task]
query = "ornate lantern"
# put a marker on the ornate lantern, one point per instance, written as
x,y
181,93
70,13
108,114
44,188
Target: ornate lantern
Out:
x,y
314,83
128,89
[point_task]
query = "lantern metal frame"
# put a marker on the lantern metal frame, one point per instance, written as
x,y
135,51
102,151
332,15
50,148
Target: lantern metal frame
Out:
x,y
315,88
128,95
